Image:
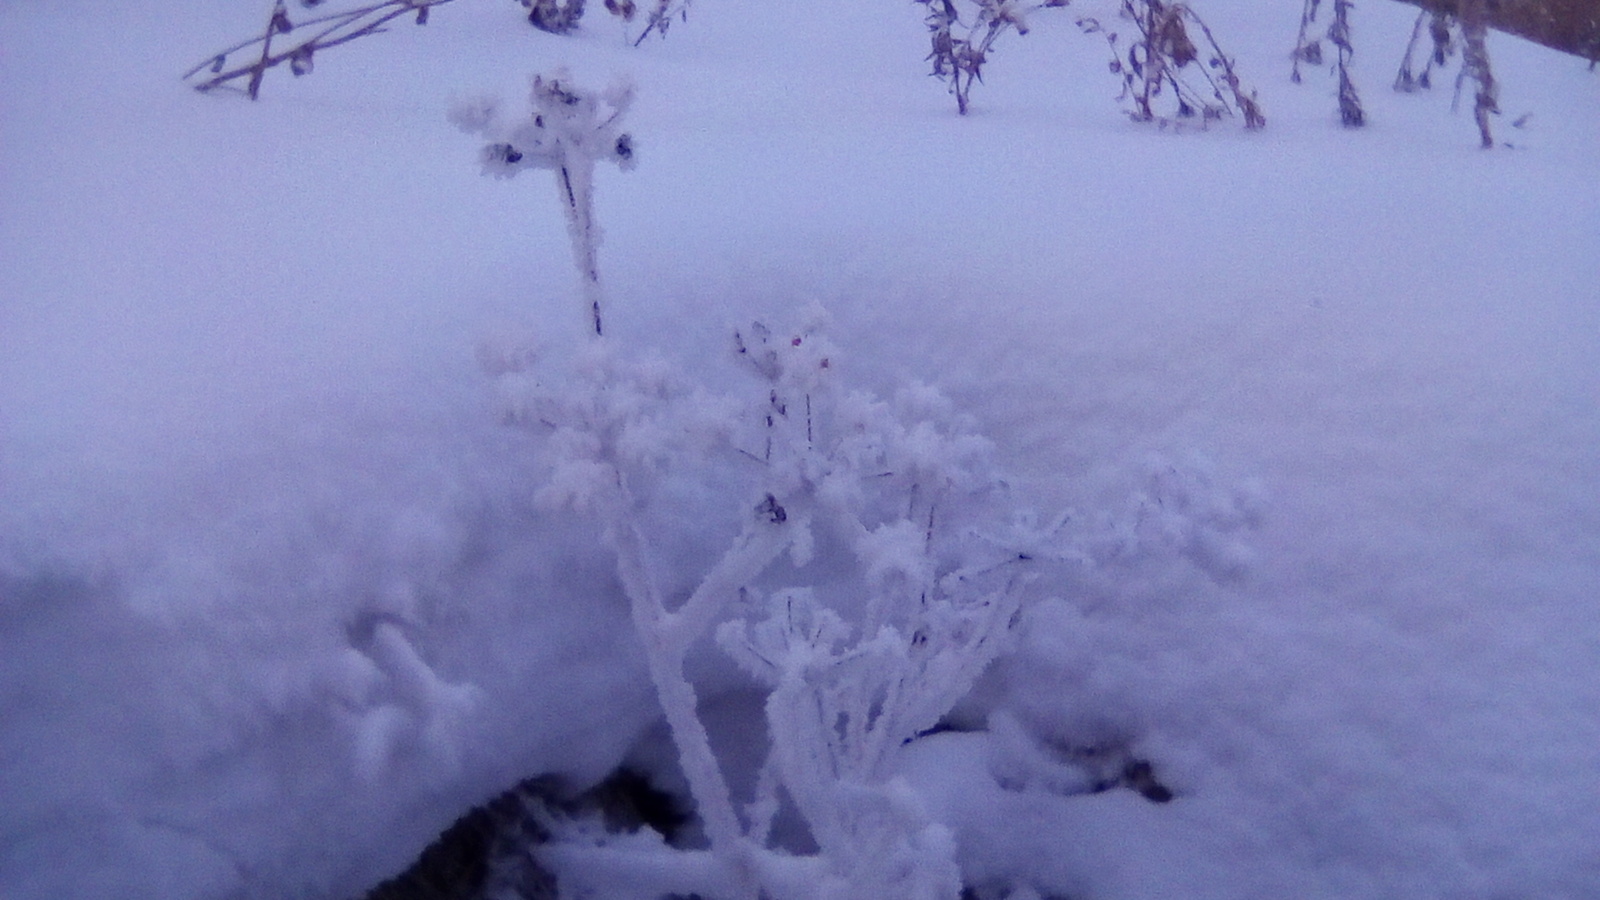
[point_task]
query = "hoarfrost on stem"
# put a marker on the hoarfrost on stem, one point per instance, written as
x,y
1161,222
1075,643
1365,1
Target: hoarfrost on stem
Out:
x,y
568,130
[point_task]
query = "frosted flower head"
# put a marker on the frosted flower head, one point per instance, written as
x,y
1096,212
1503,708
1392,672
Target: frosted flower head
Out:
x,y
567,127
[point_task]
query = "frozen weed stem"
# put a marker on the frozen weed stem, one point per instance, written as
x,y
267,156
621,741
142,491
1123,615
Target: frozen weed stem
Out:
x,y
567,131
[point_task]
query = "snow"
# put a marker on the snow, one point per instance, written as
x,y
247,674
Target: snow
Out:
x,y
277,601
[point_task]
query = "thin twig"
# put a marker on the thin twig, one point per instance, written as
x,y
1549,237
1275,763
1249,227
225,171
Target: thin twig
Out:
x,y
661,19
1310,52
1404,80
1254,119
345,27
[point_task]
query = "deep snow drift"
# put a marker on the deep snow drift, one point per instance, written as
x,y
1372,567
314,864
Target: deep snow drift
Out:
x,y
276,603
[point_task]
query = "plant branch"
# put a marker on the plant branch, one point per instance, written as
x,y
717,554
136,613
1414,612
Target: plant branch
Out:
x,y
342,28
661,18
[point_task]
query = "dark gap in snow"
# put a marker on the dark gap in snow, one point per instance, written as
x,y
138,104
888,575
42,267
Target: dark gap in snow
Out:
x,y
489,851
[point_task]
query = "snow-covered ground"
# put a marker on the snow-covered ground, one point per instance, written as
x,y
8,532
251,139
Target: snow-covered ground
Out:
x,y
244,442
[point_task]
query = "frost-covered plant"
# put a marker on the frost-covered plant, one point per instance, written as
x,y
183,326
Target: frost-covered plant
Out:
x,y
1164,57
567,130
1309,50
960,49
1470,20
866,565
297,43
902,486
853,589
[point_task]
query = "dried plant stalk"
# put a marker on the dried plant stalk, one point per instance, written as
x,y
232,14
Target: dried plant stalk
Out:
x,y
1438,28
660,19
297,43
1475,65
1350,112
1472,20
1308,50
959,50
1164,55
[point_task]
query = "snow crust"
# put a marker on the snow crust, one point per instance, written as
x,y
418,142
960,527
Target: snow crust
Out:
x,y
277,601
